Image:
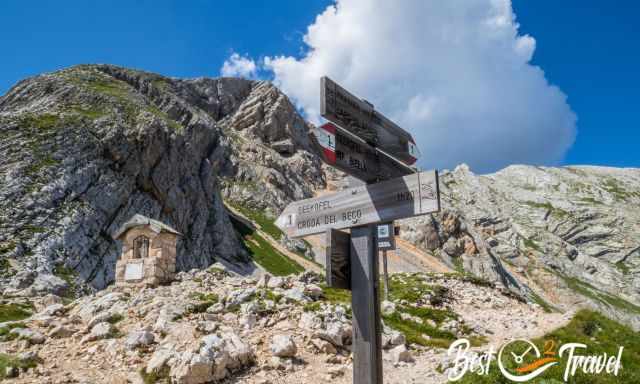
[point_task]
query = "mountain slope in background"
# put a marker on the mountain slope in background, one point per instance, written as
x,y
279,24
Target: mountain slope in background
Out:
x,y
568,234
85,148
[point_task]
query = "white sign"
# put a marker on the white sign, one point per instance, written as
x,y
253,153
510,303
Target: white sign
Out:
x,y
413,195
133,271
383,231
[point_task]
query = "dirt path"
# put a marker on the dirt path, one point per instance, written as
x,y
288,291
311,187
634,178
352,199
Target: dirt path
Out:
x,y
408,253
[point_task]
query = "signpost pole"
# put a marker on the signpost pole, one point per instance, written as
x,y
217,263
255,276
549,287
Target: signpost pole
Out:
x,y
367,354
386,275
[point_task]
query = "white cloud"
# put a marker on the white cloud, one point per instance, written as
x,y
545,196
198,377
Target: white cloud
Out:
x,y
456,73
239,66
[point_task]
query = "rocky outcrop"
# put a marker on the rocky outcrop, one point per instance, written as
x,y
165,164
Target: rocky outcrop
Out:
x,y
568,233
270,159
84,149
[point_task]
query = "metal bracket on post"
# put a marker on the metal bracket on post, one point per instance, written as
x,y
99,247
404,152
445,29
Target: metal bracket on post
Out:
x,y
367,353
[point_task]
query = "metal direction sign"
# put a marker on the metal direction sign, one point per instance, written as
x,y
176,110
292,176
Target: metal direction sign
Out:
x,y
361,119
385,237
408,196
355,157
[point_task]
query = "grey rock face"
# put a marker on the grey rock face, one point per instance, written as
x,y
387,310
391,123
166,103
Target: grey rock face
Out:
x,y
83,149
570,229
269,161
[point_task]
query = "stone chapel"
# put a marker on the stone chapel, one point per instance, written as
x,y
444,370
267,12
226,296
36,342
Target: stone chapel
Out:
x,y
148,252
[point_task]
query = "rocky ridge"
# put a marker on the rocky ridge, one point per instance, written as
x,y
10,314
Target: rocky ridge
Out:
x,y
568,235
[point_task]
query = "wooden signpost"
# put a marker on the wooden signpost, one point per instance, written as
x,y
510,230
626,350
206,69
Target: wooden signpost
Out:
x,y
364,144
407,196
361,119
355,157
337,266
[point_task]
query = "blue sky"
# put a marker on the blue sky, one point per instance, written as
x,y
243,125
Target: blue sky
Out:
x,y
589,49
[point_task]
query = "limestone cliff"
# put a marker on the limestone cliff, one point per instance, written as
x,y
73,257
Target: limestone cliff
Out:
x,y
83,149
570,234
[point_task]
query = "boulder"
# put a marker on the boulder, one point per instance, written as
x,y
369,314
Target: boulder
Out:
x,y
48,283
324,346
33,337
283,346
387,307
275,282
61,332
139,338
400,354
53,310
159,359
99,331
333,333
313,291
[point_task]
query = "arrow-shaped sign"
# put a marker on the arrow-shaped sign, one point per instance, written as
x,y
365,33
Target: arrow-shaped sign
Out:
x,y
355,157
360,119
413,195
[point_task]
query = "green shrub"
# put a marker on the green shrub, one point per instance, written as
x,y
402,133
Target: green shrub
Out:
x,y
14,312
160,377
11,361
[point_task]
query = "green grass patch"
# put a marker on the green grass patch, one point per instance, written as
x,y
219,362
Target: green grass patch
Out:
x,y
205,300
109,87
590,200
5,268
91,113
32,229
409,287
7,247
415,332
163,116
613,186
622,267
160,377
458,265
556,212
115,318
44,121
316,306
598,333
11,361
336,295
5,331
15,312
531,244
265,223
69,276
548,308
586,289
41,163
268,294
264,254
